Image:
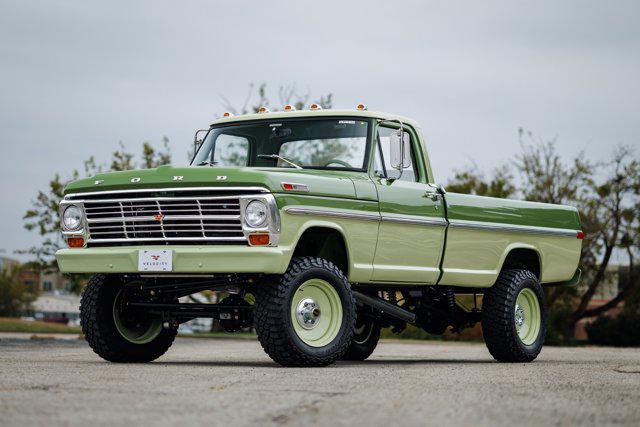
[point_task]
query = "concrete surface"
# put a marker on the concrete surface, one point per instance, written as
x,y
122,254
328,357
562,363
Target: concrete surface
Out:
x,y
232,382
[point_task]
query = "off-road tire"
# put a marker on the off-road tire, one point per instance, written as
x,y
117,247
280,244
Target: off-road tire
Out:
x,y
272,314
363,345
98,326
498,325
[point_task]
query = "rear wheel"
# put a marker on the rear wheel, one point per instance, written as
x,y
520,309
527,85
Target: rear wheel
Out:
x,y
365,337
114,330
514,315
307,317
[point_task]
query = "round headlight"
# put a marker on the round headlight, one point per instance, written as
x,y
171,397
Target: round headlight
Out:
x,y
255,214
72,218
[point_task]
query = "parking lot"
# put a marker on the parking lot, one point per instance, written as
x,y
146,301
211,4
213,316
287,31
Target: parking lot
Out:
x,y
232,382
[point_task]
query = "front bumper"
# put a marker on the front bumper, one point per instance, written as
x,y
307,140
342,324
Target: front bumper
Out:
x,y
186,259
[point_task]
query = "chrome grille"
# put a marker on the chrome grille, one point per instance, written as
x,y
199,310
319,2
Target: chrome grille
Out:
x,y
161,216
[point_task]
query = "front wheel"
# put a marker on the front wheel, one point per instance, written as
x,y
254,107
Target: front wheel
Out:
x,y
114,330
514,316
307,317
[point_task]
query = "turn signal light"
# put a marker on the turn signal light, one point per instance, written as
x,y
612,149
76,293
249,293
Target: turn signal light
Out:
x,y
580,235
263,110
261,239
75,242
315,106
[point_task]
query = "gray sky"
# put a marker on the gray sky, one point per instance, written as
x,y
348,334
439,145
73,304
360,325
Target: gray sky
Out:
x,y
76,77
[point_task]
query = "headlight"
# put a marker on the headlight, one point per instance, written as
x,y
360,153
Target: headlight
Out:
x,y
255,214
72,218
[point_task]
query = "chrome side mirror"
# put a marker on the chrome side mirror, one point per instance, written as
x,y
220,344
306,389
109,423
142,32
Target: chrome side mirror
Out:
x,y
400,150
197,142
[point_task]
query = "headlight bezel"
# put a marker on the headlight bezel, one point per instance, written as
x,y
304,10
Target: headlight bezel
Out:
x,y
270,225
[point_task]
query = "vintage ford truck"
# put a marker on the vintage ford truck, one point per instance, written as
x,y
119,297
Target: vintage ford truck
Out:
x,y
317,228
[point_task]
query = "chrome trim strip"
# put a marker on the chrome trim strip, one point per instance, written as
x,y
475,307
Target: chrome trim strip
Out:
x,y
415,220
333,213
166,218
151,190
164,239
510,228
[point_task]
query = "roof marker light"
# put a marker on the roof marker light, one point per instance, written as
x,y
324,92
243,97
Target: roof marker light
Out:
x,y
362,107
263,110
227,114
315,106
289,108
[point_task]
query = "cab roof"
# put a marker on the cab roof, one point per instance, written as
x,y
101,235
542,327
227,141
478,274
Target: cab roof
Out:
x,y
279,115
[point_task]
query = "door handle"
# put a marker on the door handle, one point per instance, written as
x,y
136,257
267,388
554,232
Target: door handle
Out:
x,y
431,195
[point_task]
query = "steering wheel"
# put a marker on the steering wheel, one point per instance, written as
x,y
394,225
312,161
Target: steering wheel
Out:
x,y
338,162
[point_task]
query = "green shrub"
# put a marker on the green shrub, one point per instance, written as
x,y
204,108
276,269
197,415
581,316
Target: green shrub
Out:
x,y
620,331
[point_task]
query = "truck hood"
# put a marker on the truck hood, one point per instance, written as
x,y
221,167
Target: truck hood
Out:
x,y
320,182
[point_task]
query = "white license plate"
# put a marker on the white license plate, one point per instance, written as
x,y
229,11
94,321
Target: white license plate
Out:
x,y
155,260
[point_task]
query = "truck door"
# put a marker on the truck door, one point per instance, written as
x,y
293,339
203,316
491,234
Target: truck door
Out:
x,y
411,234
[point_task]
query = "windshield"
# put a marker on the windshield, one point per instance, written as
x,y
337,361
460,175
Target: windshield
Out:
x,y
309,143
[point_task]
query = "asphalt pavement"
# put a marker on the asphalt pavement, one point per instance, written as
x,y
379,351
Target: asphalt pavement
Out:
x,y
232,382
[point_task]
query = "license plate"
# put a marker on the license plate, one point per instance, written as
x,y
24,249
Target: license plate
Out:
x,y
155,260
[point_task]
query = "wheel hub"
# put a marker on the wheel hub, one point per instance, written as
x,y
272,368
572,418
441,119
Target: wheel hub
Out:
x,y
308,313
519,317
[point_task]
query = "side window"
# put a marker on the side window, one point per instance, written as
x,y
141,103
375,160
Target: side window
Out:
x,y
231,150
408,174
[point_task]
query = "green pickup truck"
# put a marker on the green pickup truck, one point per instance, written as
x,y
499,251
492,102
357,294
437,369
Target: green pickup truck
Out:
x,y
318,228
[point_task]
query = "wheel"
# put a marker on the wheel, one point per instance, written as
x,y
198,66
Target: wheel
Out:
x,y
365,337
307,317
116,332
514,317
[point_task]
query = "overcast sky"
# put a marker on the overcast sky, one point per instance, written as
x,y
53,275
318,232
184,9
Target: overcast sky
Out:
x,y
76,77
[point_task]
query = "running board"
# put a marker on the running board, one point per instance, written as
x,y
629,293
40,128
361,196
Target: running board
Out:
x,y
385,307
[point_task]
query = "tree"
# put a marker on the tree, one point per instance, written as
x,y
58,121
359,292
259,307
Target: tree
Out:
x,y
472,181
15,296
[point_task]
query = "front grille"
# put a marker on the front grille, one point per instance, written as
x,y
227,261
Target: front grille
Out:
x,y
160,216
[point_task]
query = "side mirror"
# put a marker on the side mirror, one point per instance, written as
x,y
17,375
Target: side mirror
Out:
x,y
400,150
197,142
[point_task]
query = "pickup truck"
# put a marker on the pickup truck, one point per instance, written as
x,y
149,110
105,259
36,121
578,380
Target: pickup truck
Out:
x,y
318,228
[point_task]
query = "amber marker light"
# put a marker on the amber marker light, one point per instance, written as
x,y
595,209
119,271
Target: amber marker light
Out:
x,y
259,239
289,108
315,106
75,242
361,107
263,110
227,114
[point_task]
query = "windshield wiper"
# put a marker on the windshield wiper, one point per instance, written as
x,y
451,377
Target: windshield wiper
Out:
x,y
277,156
207,162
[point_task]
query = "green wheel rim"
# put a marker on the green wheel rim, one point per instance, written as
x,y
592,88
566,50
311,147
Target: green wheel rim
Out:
x,y
316,313
136,331
527,316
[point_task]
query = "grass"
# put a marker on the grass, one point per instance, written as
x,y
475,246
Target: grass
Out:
x,y
10,324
